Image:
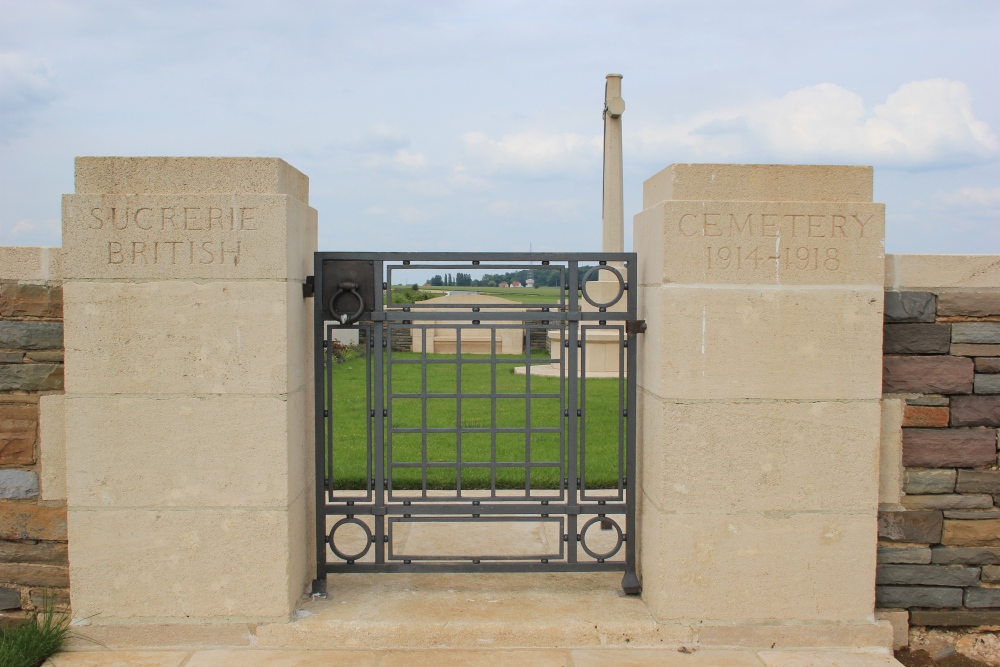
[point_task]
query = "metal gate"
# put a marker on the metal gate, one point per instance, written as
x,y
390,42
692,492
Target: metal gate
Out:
x,y
491,429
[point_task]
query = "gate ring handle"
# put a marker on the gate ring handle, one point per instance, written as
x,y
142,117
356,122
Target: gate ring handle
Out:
x,y
347,287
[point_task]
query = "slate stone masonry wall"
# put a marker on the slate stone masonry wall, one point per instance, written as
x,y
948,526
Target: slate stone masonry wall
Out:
x,y
33,552
939,555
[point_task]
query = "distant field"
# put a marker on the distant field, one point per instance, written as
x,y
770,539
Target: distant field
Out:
x,y
518,294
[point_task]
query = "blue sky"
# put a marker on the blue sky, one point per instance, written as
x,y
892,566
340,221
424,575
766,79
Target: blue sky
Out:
x,y
477,125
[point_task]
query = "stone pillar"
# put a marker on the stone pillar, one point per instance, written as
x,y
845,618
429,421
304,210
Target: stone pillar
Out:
x,y
759,387
188,388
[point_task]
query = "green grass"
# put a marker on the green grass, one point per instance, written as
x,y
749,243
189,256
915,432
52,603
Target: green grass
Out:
x,y
350,425
31,643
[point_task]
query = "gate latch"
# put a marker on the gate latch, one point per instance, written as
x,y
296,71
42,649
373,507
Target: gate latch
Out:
x,y
635,326
309,287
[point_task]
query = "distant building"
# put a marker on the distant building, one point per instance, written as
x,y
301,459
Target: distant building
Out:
x,y
530,282
502,285
516,283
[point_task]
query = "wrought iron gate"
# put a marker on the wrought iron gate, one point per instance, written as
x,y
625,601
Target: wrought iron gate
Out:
x,y
472,433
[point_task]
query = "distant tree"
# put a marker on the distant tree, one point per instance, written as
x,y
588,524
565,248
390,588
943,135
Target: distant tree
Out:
x,y
437,281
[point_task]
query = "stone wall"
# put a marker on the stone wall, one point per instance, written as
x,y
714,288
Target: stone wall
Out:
x,y
33,561
939,550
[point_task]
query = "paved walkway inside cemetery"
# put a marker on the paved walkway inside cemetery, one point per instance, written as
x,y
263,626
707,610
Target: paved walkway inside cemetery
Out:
x,y
663,657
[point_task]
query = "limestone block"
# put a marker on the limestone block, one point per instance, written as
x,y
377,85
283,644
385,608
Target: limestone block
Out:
x,y
759,182
927,375
978,481
904,597
982,597
987,364
796,344
970,304
932,272
31,335
201,563
910,307
727,567
930,481
35,264
801,456
890,470
940,448
30,300
218,237
216,451
954,617
965,555
52,436
985,532
947,501
974,350
761,243
909,555
179,337
900,621
925,416
921,526
18,484
983,333
190,175
927,575
31,377
987,384
917,338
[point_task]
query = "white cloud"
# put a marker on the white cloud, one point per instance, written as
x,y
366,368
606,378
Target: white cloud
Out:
x,y
533,153
26,87
403,160
973,197
922,124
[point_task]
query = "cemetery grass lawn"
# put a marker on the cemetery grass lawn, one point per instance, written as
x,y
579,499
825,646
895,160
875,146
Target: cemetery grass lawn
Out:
x,y
350,428
518,294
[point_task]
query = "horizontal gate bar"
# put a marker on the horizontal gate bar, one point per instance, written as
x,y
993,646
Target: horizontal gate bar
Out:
x,y
459,566
482,256
428,506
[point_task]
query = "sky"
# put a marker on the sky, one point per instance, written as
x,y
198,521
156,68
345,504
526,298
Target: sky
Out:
x,y
476,126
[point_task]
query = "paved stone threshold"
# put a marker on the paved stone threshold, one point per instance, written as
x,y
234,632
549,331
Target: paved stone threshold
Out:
x,y
663,657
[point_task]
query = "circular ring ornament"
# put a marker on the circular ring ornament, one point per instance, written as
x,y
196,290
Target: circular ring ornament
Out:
x,y
368,540
608,554
621,286
347,288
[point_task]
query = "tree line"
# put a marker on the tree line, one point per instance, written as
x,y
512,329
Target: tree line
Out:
x,y
543,278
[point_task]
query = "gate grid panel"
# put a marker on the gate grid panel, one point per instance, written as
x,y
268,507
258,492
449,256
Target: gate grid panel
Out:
x,y
448,439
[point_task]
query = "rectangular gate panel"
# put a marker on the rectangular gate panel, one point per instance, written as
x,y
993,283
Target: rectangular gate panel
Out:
x,y
471,432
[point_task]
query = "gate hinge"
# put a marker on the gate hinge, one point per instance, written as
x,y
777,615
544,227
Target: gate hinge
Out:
x,y
309,287
635,326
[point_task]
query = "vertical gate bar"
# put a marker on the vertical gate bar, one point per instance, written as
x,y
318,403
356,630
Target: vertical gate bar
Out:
x,y
630,582
573,325
369,399
493,413
330,417
388,467
423,415
380,406
623,404
582,390
527,414
458,412
319,583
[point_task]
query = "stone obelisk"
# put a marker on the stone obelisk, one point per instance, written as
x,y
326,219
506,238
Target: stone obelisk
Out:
x,y
613,239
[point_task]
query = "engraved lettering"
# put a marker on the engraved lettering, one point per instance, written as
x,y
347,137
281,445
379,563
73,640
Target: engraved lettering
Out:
x,y
215,215
206,250
234,253
138,250
190,219
794,217
246,218
115,254
843,221
814,227
139,224
713,225
164,218
100,220
862,224
746,226
765,225
680,225
192,251
173,250
114,219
